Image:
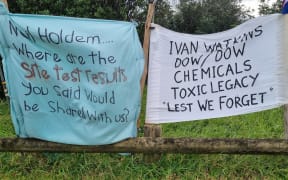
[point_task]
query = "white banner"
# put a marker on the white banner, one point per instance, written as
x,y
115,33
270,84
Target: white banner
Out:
x,y
193,77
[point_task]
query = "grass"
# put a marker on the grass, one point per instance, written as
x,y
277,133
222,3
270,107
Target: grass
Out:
x,y
266,124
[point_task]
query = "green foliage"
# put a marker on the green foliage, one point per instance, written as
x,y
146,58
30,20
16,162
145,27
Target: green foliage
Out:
x,y
208,16
265,8
108,9
187,18
163,13
6,129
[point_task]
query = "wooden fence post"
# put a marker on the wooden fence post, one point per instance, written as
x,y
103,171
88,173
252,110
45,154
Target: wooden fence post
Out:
x,y
149,129
146,41
152,131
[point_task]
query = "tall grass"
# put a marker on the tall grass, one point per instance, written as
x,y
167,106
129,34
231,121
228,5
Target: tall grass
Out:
x,y
266,124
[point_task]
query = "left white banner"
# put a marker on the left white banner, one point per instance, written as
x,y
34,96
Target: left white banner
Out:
x,y
239,71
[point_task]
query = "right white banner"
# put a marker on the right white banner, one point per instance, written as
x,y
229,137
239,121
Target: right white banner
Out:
x,y
239,71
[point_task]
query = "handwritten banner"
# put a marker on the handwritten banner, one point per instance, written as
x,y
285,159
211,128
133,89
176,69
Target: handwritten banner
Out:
x,y
239,71
72,80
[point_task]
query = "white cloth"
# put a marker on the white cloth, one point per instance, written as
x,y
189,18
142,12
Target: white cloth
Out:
x,y
239,71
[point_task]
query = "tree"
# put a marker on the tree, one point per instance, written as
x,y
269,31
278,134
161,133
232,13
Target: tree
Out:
x,y
208,16
106,9
163,13
187,17
265,8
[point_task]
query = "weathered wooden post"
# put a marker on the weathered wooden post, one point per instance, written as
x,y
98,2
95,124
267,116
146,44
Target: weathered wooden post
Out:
x,y
146,41
150,130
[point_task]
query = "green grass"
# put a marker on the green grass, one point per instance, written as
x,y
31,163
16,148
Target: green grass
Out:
x,y
266,124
